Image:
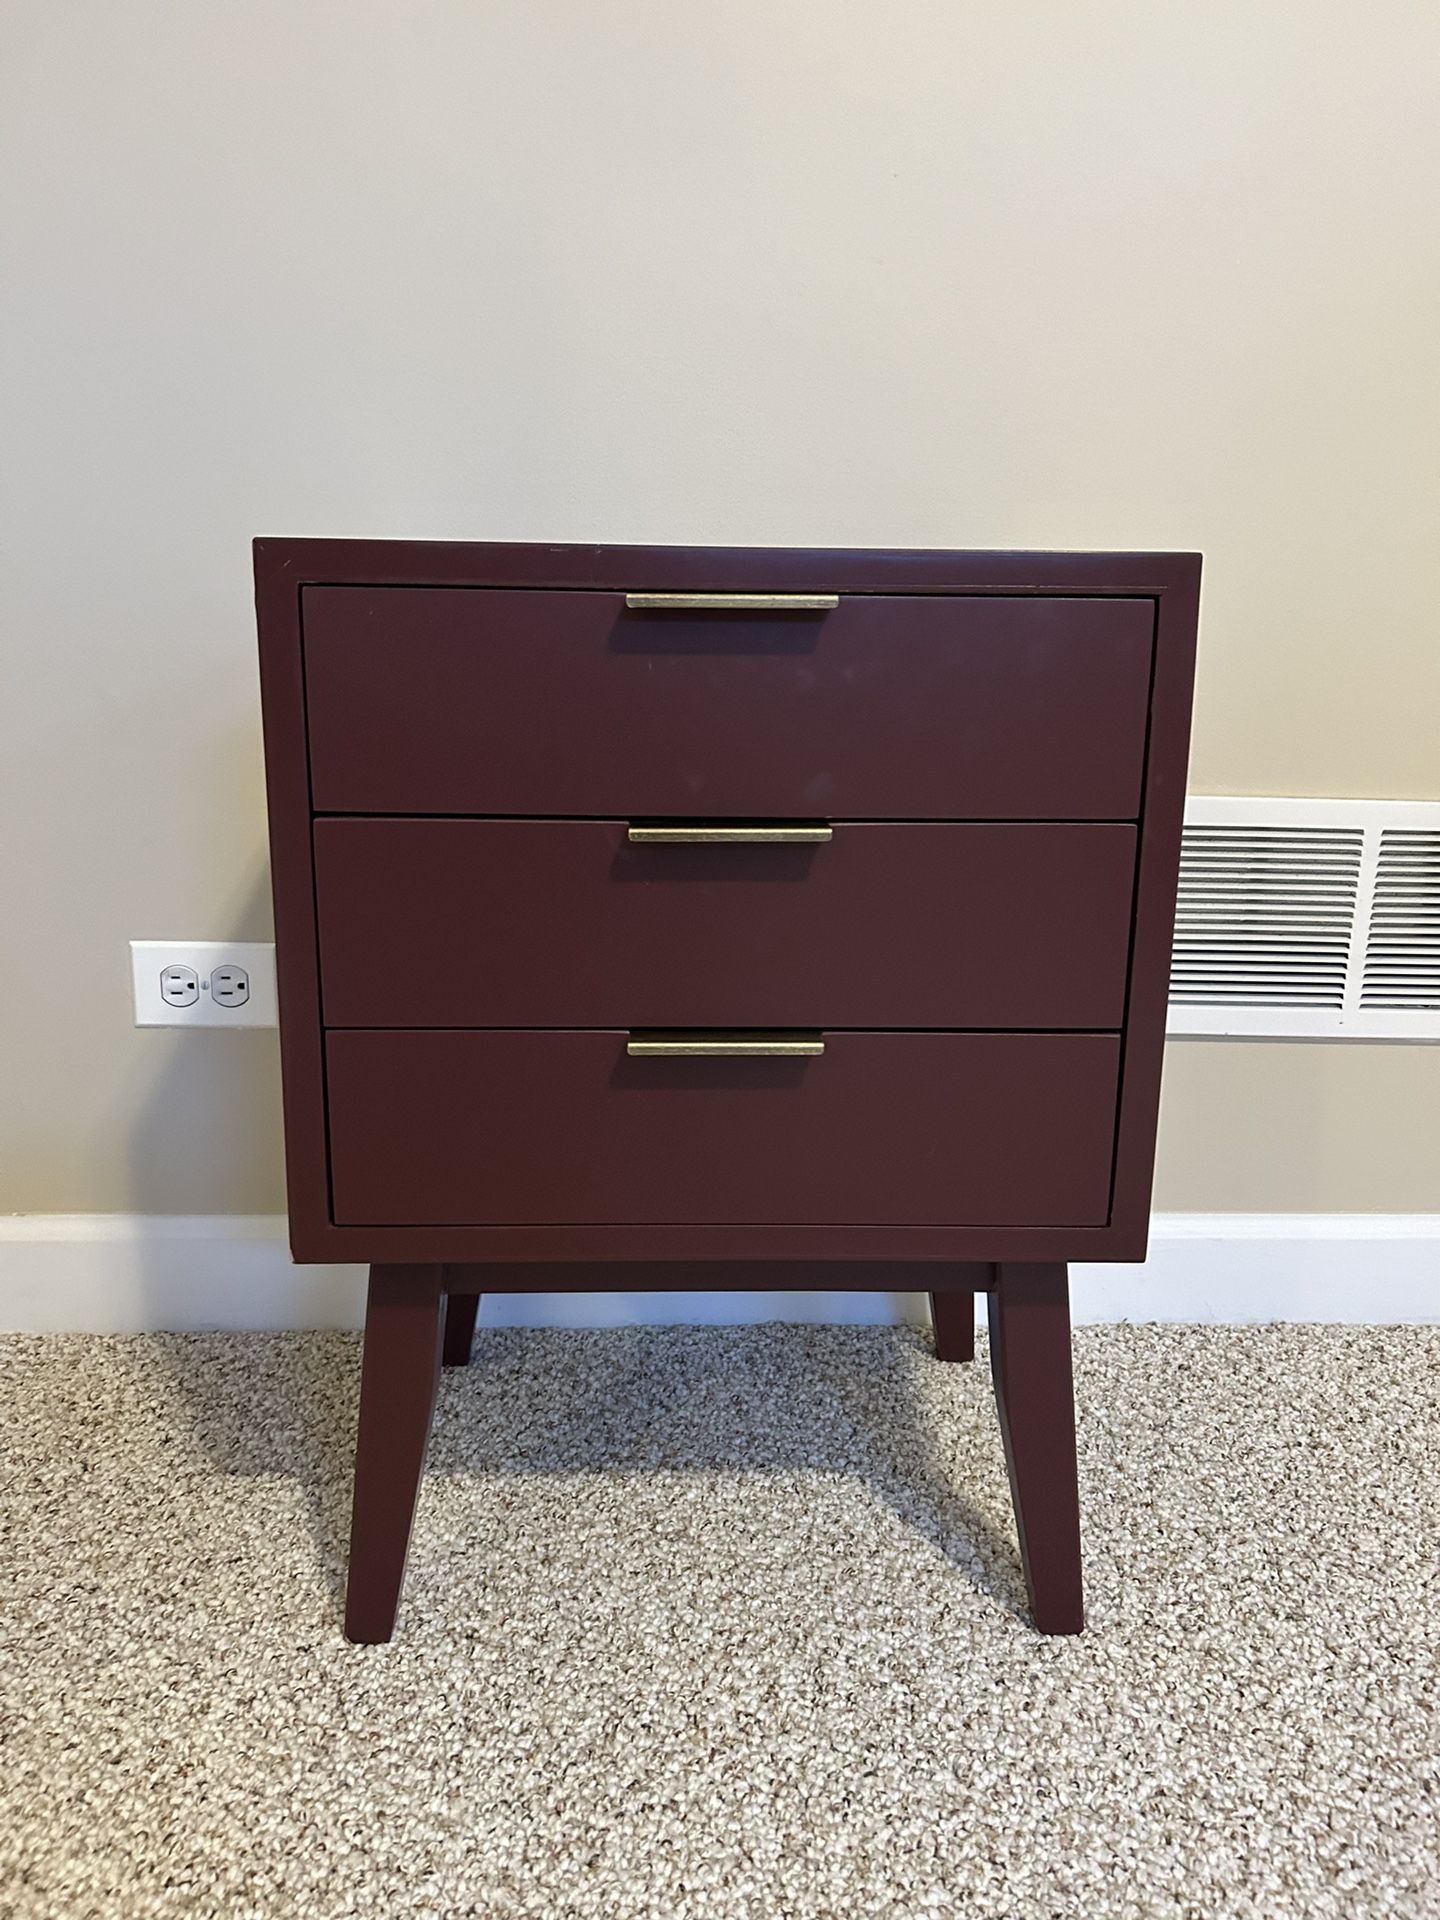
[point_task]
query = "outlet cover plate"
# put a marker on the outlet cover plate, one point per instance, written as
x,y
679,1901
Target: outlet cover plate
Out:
x,y
148,959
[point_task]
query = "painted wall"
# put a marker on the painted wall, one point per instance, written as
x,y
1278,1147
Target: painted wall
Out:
x,y
1035,275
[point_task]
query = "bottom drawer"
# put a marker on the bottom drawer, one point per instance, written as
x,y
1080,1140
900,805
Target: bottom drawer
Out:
x,y
512,1128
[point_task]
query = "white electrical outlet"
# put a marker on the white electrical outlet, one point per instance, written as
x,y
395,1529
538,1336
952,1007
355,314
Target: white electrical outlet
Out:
x,y
203,983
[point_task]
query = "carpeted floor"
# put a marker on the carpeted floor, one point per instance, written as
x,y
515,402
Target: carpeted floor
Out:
x,y
722,1623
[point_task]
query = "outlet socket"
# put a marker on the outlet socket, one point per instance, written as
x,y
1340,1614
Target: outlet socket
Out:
x,y
229,986
203,983
179,986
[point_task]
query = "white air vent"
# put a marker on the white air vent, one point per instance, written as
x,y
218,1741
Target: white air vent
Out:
x,y
1311,919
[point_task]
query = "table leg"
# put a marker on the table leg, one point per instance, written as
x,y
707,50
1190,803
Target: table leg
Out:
x,y
952,1315
460,1311
398,1378
1030,1360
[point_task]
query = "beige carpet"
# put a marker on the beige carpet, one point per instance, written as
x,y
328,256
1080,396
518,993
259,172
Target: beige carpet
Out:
x,y
722,1623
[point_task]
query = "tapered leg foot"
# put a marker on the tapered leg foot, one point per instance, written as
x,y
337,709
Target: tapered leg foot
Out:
x,y
1030,1359
398,1379
952,1315
460,1312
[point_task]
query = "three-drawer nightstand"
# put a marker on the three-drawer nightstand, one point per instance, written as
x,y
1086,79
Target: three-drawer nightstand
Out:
x,y
664,917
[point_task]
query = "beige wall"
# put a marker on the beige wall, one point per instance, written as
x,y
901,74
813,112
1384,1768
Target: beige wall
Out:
x,y
1025,275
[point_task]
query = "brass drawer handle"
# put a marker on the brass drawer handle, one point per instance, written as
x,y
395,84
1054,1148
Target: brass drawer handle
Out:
x,y
731,602
773,836
724,1046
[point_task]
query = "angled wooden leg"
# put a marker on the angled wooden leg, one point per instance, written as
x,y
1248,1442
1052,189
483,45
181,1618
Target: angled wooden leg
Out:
x,y
952,1315
1030,1359
460,1312
397,1398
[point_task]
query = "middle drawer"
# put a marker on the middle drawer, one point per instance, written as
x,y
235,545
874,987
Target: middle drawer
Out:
x,y
536,923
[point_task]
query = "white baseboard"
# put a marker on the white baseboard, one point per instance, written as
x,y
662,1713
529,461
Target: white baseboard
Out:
x,y
134,1273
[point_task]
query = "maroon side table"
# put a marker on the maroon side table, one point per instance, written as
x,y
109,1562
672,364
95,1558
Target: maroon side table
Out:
x,y
685,917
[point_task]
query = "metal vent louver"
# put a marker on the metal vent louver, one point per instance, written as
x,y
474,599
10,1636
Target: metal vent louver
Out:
x,y
1402,954
1264,916
1308,919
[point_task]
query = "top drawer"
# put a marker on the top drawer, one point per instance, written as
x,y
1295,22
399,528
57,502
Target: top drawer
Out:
x,y
498,700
